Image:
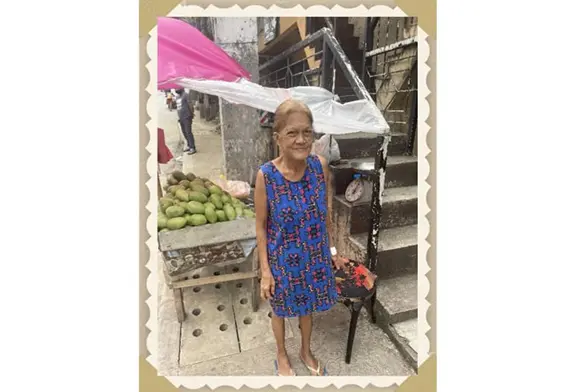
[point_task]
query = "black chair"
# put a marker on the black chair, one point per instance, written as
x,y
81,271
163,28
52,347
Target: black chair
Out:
x,y
356,288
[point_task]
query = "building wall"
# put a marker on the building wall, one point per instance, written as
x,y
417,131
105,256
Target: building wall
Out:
x,y
284,24
245,146
408,25
397,64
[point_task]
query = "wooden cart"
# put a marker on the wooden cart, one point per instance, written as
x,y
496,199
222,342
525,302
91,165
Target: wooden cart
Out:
x,y
220,244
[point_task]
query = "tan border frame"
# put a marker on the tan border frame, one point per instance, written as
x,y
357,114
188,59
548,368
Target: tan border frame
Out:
x,y
425,10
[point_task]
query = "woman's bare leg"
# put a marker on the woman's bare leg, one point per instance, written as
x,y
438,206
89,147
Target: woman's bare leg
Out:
x,y
279,334
306,332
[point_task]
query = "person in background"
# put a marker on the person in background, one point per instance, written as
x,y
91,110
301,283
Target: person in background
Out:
x,y
185,108
293,202
169,100
164,156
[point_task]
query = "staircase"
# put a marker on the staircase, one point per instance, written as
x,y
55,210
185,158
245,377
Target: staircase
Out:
x,y
397,305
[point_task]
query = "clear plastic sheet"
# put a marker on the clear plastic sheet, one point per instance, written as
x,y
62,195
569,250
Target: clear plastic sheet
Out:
x,y
330,117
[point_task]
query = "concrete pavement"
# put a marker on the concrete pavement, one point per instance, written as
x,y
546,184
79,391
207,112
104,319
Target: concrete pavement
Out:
x,y
207,162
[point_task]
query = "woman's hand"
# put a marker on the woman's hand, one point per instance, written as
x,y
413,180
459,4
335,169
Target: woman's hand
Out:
x,y
266,285
339,261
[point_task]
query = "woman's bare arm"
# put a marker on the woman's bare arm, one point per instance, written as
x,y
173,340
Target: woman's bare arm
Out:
x,y
328,180
261,209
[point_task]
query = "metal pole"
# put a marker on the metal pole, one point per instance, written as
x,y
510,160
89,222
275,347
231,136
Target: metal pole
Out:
x,y
378,181
413,119
365,49
327,57
334,66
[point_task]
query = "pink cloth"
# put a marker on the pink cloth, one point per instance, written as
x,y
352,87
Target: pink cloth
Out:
x,y
183,51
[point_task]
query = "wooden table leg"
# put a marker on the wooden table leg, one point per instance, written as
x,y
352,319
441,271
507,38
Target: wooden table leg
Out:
x,y
179,304
255,282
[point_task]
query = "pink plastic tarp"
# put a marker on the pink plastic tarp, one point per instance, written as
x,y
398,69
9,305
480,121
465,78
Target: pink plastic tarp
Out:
x,y
184,52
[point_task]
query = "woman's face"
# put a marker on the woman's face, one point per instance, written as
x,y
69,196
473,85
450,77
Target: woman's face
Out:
x,y
295,139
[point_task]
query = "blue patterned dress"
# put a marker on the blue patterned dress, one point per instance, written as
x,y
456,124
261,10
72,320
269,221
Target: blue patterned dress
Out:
x,y
297,240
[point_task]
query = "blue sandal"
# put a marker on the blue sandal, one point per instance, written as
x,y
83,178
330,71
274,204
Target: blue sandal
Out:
x,y
278,374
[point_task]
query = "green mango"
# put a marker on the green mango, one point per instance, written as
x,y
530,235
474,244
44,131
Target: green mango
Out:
x,y
217,201
195,207
210,214
221,216
215,190
225,199
176,223
174,211
197,196
230,212
182,195
162,221
198,220
178,175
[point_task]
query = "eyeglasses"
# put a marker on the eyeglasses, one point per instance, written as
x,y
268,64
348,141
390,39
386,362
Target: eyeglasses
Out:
x,y
293,135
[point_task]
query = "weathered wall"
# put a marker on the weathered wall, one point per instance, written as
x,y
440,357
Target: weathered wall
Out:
x,y
397,65
408,26
245,147
392,90
359,24
285,23
393,69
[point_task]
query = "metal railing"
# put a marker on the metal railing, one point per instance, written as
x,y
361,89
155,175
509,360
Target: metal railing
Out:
x,y
390,74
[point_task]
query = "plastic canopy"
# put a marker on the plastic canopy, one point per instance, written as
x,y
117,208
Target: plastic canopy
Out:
x,y
183,51
330,117
186,58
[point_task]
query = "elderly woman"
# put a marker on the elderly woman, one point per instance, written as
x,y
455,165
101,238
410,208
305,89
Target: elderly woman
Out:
x,y
293,222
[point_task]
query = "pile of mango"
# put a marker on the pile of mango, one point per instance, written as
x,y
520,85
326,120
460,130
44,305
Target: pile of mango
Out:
x,y
194,201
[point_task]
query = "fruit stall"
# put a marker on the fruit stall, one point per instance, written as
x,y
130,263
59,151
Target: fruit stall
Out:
x,y
201,224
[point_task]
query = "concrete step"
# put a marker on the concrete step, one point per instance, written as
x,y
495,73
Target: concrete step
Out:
x,y
399,128
405,337
393,116
401,171
399,297
362,147
397,313
397,250
399,208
